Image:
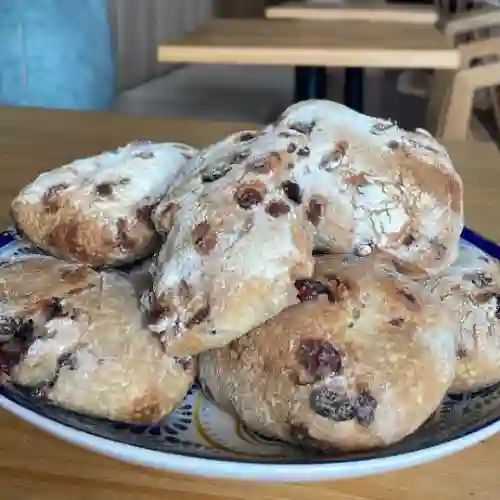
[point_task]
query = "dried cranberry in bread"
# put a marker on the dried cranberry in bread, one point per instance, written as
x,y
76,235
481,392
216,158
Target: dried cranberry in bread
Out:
x,y
361,363
470,290
97,210
77,338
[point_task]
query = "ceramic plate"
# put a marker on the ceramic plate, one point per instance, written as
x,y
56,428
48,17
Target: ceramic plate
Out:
x,y
199,438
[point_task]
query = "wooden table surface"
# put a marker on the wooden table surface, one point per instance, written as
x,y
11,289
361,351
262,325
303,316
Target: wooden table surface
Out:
x,y
309,43
36,466
363,11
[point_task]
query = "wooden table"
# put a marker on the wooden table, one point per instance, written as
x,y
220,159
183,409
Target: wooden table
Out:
x,y
407,13
310,46
36,466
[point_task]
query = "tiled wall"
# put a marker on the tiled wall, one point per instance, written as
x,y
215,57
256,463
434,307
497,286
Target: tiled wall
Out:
x,y
138,26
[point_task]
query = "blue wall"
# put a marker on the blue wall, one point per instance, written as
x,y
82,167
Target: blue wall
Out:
x,y
56,53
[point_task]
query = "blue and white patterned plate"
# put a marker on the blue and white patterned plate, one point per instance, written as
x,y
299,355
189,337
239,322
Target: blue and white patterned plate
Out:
x,y
199,438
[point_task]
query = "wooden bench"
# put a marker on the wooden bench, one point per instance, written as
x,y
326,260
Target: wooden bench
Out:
x,y
417,14
310,46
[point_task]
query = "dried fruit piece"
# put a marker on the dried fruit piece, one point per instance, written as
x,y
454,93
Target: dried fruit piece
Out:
x,y
309,289
303,151
16,335
204,238
292,191
277,208
247,136
104,189
249,194
318,357
315,211
215,172
265,164
364,408
329,404
302,127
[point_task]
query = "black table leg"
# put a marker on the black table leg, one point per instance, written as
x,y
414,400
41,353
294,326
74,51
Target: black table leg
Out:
x,y
354,88
310,83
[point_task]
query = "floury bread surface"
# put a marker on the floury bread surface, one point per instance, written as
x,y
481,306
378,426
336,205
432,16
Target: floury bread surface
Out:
x,y
76,337
97,210
470,290
361,363
241,229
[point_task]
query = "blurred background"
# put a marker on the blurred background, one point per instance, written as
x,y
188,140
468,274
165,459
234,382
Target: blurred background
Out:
x,y
103,54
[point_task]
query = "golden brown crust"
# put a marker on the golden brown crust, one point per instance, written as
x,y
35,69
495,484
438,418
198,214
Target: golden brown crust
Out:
x,y
77,337
361,363
97,210
470,290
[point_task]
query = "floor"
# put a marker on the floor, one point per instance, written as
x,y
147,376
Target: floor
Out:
x,y
259,93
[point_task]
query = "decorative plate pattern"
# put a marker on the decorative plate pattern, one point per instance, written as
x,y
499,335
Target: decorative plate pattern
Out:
x,y
198,429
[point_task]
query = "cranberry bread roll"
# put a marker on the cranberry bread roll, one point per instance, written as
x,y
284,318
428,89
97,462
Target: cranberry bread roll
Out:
x,y
366,184
361,363
76,337
234,250
470,290
97,210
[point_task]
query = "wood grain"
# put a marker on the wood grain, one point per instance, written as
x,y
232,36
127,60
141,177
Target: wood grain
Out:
x,y
309,43
36,466
406,13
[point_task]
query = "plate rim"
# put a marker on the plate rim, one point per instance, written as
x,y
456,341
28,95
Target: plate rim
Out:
x,y
226,469
223,468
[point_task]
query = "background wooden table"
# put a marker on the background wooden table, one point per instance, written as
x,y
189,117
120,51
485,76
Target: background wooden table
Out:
x,y
312,46
374,12
309,43
36,466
